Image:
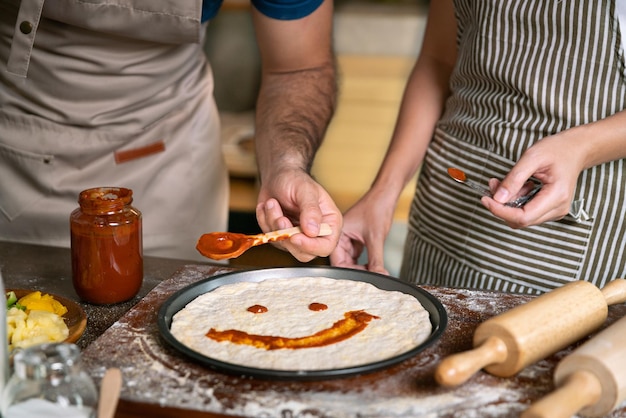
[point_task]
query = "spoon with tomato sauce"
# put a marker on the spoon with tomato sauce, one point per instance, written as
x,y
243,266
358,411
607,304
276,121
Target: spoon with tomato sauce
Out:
x,y
225,245
461,177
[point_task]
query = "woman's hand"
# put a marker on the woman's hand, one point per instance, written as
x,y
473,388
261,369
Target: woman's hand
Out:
x,y
366,226
557,162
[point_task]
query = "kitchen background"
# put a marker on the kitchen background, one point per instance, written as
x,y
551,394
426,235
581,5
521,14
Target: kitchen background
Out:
x,y
376,42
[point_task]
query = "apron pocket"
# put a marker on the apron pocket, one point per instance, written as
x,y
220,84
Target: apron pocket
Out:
x,y
453,219
23,175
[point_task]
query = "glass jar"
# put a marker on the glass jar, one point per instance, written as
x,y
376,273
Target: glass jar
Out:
x,y
4,344
48,381
106,241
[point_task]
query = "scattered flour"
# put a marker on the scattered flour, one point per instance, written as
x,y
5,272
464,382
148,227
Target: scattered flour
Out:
x,y
154,373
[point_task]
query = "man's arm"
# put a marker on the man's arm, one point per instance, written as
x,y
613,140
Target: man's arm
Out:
x,y
296,102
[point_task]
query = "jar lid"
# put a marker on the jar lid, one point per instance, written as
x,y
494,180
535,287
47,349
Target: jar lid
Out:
x,y
105,198
39,361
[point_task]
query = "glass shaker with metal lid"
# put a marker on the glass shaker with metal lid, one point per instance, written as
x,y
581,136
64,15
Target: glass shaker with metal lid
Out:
x,y
48,381
4,346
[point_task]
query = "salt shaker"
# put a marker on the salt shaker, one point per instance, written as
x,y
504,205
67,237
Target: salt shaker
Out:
x,y
106,242
48,381
4,345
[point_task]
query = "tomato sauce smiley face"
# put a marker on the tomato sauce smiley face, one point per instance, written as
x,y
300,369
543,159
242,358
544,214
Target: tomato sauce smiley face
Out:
x,y
352,323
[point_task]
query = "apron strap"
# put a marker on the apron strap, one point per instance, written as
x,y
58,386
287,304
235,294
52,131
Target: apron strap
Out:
x,y
24,36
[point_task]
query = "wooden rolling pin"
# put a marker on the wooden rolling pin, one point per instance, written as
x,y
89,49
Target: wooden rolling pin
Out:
x,y
591,381
507,343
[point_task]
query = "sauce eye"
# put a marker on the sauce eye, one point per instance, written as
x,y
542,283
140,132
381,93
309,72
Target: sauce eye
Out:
x,y
317,307
262,309
257,309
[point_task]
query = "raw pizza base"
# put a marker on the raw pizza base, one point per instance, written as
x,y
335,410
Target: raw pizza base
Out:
x,y
403,323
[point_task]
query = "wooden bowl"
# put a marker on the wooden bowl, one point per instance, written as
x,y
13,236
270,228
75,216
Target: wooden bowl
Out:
x,y
75,318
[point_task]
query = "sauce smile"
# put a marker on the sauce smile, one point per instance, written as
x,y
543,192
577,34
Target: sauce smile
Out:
x,y
353,323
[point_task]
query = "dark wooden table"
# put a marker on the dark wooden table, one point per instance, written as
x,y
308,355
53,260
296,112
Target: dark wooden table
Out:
x,y
161,382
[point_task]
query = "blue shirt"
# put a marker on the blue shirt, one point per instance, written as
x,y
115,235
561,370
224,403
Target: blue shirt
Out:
x,y
277,9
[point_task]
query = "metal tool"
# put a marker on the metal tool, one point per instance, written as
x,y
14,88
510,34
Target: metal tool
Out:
x,y
460,176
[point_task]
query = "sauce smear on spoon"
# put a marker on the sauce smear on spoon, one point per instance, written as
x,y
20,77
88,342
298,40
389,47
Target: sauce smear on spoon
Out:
x,y
223,245
457,174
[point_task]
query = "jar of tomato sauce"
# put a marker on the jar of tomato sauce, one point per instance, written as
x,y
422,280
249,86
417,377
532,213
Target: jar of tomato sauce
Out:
x,y
106,241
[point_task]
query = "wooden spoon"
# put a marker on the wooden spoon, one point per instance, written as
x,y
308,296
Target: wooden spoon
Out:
x,y
109,393
224,245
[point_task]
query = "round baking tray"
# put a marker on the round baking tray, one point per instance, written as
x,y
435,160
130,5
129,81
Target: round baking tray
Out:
x,y
176,302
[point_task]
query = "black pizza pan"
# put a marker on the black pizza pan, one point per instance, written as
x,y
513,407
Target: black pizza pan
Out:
x,y
176,302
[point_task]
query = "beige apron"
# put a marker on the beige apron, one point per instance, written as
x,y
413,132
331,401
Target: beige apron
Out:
x,y
114,93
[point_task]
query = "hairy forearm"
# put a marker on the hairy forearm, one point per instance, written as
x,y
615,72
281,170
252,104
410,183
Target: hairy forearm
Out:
x,y
293,112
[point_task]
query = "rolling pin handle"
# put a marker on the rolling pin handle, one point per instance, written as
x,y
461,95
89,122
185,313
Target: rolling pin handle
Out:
x,y
581,389
615,291
458,368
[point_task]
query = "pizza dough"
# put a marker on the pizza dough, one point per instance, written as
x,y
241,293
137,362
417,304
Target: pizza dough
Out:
x,y
368,324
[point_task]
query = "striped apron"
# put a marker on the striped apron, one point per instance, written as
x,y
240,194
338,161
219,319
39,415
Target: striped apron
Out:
x,y
525,70
108,93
